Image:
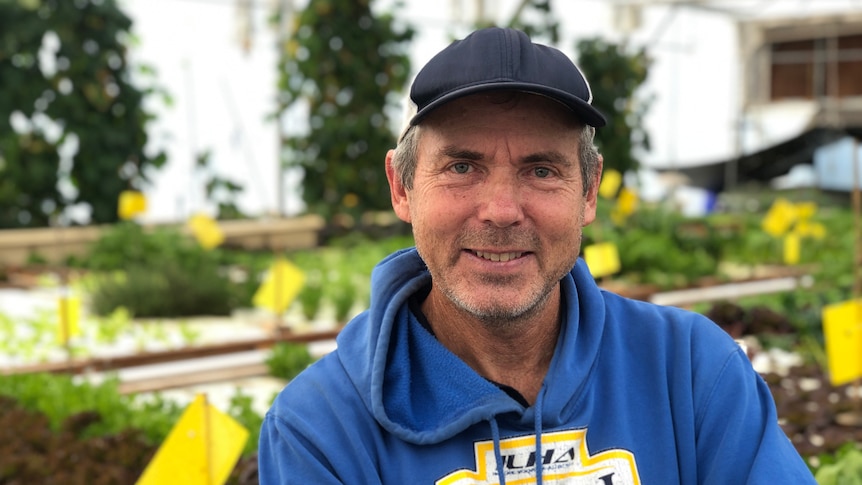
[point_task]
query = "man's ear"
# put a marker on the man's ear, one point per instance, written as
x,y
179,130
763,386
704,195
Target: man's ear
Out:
x,y
400,201
592,195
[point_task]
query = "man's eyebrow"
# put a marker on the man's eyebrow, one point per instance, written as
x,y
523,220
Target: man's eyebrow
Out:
x,y
452,151
552,156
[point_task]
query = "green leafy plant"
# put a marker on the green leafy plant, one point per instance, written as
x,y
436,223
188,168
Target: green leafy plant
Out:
x,y
844,468
343,294
347,61
59,397
241,408
128,244
189,334
661,247
110,327
31,452
311,297
67,88
31,337
287,360
165,290
615,76
53,429
164,274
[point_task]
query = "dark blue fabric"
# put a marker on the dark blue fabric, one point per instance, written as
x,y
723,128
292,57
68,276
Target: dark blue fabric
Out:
x,y
496,59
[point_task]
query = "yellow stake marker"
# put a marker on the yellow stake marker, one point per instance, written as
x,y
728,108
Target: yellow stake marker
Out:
x,y
131,203
842,329
805,210
611,181
201,449
69,311
280,287
791,248
603,259
206,230
779,218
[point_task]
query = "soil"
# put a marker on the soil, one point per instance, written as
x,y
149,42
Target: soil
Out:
x,y
32,453
817,417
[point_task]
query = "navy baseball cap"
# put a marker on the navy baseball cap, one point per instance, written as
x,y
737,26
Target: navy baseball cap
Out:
x,y
501,59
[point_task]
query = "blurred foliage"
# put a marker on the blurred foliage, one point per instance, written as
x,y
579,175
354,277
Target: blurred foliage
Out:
x,y
547,24
241,408
161,272
288,359
842,468
338,276
660,247
128,244
218,189
615,76
348,64
59,397
165,289
70,115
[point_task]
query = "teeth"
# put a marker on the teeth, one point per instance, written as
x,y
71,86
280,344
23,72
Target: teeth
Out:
x,y
498,257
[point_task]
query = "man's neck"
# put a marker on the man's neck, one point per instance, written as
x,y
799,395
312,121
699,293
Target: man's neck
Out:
x,y
514,353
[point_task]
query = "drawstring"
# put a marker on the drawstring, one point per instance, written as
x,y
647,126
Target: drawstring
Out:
x,y
538,428
537,425
495,433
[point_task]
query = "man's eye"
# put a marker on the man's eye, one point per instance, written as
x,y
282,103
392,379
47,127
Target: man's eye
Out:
x,y
542,172
461,167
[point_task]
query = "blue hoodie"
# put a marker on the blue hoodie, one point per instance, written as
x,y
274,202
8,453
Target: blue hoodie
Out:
x,y
635,394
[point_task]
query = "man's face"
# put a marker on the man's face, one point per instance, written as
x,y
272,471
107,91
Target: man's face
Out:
x,y
497,204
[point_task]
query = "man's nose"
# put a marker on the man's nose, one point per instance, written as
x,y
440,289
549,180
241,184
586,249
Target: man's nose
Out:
x,y
501,201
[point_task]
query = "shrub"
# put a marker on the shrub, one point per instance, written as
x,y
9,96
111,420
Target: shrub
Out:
x,y
164,290
53,430
165,274
287,360
845,468
59,398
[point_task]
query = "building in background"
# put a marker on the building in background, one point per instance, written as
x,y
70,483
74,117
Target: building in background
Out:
x,y
792,84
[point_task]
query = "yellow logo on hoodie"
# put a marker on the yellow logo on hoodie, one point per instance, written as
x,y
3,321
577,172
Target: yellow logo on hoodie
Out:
x,y
565,459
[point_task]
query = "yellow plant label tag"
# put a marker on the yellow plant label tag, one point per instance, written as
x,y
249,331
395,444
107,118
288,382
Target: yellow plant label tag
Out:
x,y
69,312
131,204
611,181
805,210
602,259
791,248
206,231
627,201
779,218
842,330
280,287
201,449
810,229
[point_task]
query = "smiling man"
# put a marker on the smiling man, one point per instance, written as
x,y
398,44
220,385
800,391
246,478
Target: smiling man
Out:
x,y
488,354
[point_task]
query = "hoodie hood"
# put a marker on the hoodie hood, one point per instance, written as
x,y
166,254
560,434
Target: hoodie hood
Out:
x,y
419,391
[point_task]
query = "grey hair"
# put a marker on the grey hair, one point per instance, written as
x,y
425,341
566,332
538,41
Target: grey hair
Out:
x,y
406,156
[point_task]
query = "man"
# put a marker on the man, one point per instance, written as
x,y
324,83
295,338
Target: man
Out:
x,y
488,353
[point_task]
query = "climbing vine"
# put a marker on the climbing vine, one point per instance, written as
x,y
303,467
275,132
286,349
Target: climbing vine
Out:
x,y
72,122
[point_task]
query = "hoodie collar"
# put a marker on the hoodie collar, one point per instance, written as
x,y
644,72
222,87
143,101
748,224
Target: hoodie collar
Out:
x,y
424,394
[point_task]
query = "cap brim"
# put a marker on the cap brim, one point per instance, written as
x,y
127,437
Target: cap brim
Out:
x,y
582,110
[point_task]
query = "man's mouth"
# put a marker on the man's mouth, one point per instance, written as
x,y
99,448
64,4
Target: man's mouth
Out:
x,y
498,257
